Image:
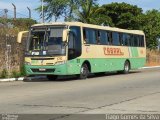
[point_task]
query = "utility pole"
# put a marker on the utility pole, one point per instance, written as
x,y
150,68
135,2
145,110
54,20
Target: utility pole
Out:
x,y
42,12
14,11
29,12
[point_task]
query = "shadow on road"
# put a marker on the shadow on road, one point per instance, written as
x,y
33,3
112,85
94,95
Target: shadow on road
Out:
x,y
74,78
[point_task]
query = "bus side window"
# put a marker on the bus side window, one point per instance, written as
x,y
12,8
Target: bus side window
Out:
x,y
98,35
115,36
125,39
121,38
90,36
74,43
136,41
128,39
84,35
132,40
110,39
141,41
103,38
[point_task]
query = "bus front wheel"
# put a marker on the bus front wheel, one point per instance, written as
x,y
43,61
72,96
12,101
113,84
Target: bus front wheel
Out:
x,y
52,77
84,72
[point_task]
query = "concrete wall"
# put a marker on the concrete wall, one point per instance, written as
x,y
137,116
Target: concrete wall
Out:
x,y
11,53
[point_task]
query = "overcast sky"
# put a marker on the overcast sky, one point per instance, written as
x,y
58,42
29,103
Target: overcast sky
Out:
x,y
32,4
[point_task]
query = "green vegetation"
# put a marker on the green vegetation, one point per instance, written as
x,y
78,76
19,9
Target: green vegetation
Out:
x,y
121,15
55,8
20,23
14,73
150,24
12,27
22,71
65,8
4,73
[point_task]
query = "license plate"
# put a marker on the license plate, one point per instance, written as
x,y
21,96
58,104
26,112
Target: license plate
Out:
x,y
42,69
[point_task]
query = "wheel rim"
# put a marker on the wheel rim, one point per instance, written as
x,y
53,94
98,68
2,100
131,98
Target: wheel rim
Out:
x,y
126,67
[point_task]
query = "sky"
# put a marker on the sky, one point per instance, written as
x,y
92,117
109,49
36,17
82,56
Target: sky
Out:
x,y
32,4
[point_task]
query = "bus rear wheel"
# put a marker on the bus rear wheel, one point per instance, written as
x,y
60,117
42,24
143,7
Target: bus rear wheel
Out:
x,y
84,72
52,77
126,67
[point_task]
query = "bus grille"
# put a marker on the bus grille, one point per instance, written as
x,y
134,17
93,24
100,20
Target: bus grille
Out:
x,y
44,70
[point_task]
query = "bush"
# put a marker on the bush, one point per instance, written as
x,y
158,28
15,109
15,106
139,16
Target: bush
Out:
x,y
22,70
4,73
23,23
15,74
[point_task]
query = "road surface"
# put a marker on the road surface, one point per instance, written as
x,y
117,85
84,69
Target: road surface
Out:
x,y
137,92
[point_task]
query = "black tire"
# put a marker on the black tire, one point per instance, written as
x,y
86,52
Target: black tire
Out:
x,y
52,77
126,67
84,72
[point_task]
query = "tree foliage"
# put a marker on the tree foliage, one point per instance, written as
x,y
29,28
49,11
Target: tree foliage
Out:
x,y
121,15
53,8
58,8
69,9
150,24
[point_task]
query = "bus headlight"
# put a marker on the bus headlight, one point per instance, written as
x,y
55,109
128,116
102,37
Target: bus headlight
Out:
x,y
60,62
27,63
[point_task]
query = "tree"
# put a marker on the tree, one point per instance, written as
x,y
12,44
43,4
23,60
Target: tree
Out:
x,y
54,8
69,9
150,24
123,15
85,11
88,12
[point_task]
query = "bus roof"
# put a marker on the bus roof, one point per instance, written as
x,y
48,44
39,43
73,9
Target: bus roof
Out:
x,y
139,32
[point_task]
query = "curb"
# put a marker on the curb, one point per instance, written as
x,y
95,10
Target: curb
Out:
x,y
11,79
150,67
20,78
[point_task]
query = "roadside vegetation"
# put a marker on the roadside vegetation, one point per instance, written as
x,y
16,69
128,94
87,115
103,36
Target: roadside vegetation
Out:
x,y
153,58
13,74
10,28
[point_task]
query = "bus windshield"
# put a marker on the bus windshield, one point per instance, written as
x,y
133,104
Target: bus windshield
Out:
x,y
46,41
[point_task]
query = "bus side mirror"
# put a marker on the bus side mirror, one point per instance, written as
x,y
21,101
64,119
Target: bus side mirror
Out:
x,y
20,36
65,34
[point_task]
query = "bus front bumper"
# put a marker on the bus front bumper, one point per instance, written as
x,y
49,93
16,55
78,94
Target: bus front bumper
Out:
x,y
46,70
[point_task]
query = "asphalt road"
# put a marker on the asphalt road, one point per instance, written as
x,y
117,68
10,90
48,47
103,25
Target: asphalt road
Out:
x,y
137,92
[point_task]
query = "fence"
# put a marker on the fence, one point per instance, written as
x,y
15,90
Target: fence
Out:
x,y
8,14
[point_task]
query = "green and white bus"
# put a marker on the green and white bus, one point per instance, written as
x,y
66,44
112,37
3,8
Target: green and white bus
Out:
x,y
74,48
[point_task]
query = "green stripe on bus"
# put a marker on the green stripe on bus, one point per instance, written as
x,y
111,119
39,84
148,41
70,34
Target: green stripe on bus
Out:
x,y
97,65
134,51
